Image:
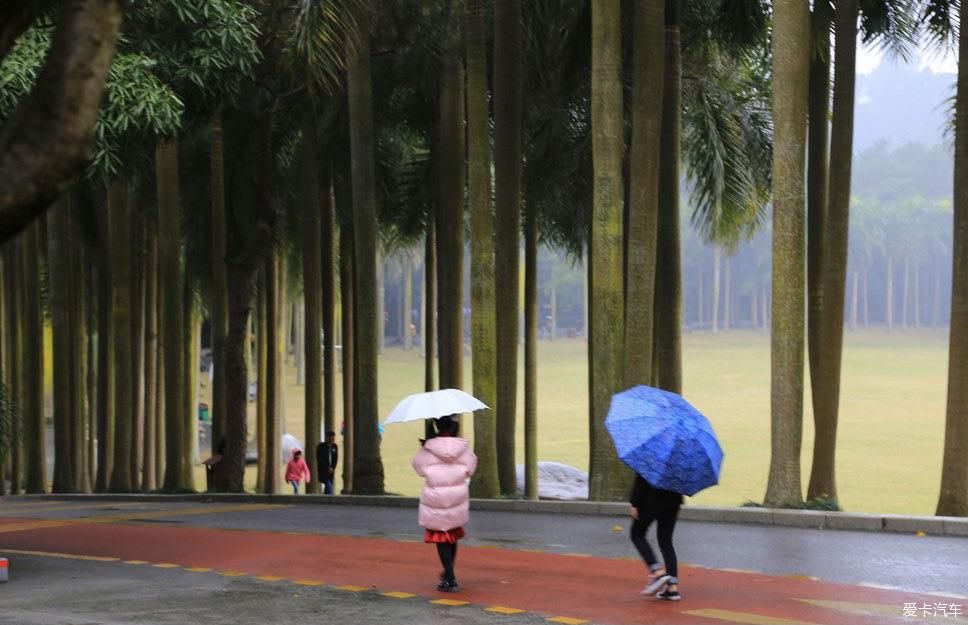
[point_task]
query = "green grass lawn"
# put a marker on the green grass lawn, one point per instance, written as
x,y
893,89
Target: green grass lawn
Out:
x,y
892,417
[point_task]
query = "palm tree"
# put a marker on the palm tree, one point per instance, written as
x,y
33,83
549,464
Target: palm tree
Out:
x,y
450,223
177,472
643,212
151,432
667,330
32,357
312,291
368,466
59,267
607,475
508,94
120,224
791,69
483,324
953,498
220,288
826,397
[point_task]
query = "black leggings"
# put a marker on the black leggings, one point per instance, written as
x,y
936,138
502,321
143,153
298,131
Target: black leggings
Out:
x,y
665,525
448,554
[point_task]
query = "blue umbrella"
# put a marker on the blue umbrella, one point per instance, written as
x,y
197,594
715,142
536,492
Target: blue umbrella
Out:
x,y
663,438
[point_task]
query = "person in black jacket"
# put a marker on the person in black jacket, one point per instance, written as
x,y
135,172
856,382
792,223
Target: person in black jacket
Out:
x,y
327,455
650,504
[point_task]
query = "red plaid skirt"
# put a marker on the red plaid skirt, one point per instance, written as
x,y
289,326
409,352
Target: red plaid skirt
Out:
x,y
449,537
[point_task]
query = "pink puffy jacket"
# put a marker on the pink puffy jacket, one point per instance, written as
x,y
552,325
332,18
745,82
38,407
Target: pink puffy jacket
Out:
x,y
445,463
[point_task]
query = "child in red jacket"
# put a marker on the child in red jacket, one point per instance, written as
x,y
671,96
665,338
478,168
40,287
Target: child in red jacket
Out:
x,y
297,471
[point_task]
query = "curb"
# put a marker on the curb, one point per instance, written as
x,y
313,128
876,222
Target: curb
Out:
x,y
806,519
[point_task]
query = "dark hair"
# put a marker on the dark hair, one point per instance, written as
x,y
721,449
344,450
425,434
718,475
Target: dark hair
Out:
x,y
447,426
328,434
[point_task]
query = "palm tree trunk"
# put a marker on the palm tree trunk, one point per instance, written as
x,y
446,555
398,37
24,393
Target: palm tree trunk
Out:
x,y
18,376
485,483
220,292
916,303
530,353
191,348
32,357
138,289
648,65
59,280
866,291
407,306
818,180
754,309
717,281
823,482
508,97
936,292
728,295
791,65
275,359
262,384
120,209
76,310
586,292
889,295
91,371
149,449
380,302
328,264
668,282
235,432
312,292
906,293
160,427
953,499
700,304
368,466
10,339
855,290
348,354
607,477
105,363
450,220
170,279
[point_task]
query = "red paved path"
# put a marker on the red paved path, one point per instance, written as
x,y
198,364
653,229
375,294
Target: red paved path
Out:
x,y
598,589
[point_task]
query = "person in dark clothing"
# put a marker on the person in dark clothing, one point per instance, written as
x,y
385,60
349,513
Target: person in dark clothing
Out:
x,y
648,505
327,455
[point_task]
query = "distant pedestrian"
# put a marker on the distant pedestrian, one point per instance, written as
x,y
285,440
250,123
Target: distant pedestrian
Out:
x,y
297,471
650,504
327,455
446,463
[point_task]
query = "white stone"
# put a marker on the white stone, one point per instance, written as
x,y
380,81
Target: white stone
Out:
x,y
557,481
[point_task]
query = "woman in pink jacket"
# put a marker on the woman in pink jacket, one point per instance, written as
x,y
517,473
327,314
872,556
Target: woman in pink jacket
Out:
x,y
446,463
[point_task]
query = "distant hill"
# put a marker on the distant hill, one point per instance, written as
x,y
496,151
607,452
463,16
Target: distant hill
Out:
x,y
901,104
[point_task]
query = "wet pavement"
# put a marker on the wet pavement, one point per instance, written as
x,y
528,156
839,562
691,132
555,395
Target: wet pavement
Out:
x,y
577,567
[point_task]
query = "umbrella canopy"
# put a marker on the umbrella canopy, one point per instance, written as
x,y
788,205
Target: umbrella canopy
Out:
x,y
434,405
663,438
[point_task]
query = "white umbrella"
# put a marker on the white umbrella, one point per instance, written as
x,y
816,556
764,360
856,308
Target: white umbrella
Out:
x,y
433,405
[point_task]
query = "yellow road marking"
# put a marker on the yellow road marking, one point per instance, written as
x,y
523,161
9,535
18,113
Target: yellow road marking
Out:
x,y
307,582
165,565
270,578
743,617
566,620
450,602
54,554
399,595
871,609
578,555
136,562
349,588
198,569
500,609
231,573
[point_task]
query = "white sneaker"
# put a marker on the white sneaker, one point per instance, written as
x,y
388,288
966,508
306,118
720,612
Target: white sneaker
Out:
x,y
656,584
